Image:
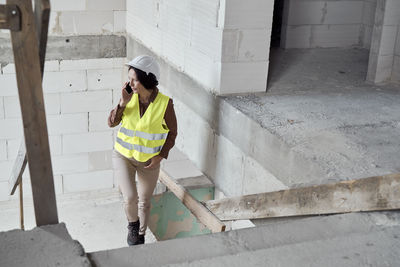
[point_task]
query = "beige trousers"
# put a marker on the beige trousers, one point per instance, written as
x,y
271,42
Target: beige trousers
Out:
x,y
136,196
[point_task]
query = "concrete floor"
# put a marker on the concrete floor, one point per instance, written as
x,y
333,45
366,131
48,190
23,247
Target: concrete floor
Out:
x,y
95,218
319,104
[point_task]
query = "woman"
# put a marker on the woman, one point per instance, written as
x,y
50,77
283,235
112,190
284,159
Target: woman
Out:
x,y
147,133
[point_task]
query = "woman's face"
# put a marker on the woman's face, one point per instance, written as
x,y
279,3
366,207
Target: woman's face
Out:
x,y
137,87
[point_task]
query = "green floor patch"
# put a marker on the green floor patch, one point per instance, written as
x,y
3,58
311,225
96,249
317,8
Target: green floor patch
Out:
x,y
169,218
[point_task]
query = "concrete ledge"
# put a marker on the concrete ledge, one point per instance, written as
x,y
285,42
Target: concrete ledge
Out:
x,y
49,245
74,47
372,231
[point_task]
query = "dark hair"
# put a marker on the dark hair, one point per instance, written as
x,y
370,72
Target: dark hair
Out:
x,y
149,81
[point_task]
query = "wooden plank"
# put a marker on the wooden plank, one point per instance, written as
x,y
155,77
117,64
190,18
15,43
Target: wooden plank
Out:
x,y
42,17
10,17
198,210
28,70
368,194
18,168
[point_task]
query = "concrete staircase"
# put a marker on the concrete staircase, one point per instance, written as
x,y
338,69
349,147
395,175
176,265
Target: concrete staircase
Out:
x,y
356,239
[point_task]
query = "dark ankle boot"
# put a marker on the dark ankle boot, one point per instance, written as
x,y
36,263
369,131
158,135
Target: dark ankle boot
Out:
x,y
133,233
140,239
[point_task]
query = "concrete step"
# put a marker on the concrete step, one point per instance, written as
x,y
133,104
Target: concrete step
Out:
x,y
290,233
378,248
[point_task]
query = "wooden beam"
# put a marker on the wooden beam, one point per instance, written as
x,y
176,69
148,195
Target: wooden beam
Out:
x,y
197,209
18,168
42,17
28,71
368,194
10,17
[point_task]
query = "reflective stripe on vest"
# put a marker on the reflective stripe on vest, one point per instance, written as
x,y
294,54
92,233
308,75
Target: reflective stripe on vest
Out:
x,y
144,135
143,149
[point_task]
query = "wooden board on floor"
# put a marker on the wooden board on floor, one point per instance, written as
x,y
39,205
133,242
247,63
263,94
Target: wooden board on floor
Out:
x,y
368,194
28,71
198,210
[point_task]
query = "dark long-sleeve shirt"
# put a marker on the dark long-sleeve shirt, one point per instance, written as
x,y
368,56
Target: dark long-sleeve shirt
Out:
x,y
115,118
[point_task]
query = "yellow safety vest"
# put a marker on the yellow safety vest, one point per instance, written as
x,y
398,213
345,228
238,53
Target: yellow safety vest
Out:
x,y
143,138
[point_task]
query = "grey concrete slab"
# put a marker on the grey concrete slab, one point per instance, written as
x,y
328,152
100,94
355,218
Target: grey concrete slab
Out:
x,y
49,245
312,232
319,105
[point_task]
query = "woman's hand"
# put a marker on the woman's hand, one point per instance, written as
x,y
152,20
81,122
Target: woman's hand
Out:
x,y
125,97
155,161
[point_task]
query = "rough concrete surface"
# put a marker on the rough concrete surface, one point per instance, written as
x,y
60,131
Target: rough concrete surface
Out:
x,y
94,218
356,239
49,245
319,105
73,47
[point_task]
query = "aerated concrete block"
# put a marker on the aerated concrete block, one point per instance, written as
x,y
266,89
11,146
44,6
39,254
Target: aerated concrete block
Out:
x,y
3,150
343,12
384,69
206,39
86,101
98,121
335,35
369,13
104,79
100,160
87,142
87,22
230,41
71,5
105,5
237,14
73,163
10,128
254,44
2,111
119,21
8,85
5,170
88,181
306,12
396,69
67,123
240,77
388,40
296,36
392,11
4,191
65,81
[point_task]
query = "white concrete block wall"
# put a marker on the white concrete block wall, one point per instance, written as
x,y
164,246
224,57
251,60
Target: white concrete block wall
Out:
x,y
327,23
200,37
87,17
384,63
79,95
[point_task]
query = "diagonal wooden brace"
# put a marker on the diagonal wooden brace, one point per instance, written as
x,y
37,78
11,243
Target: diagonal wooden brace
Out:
x,y
10,17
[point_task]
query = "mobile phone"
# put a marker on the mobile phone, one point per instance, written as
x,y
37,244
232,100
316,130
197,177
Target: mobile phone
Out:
x,y
128,88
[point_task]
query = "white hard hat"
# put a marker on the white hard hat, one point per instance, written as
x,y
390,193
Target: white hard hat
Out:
x,y
147,64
